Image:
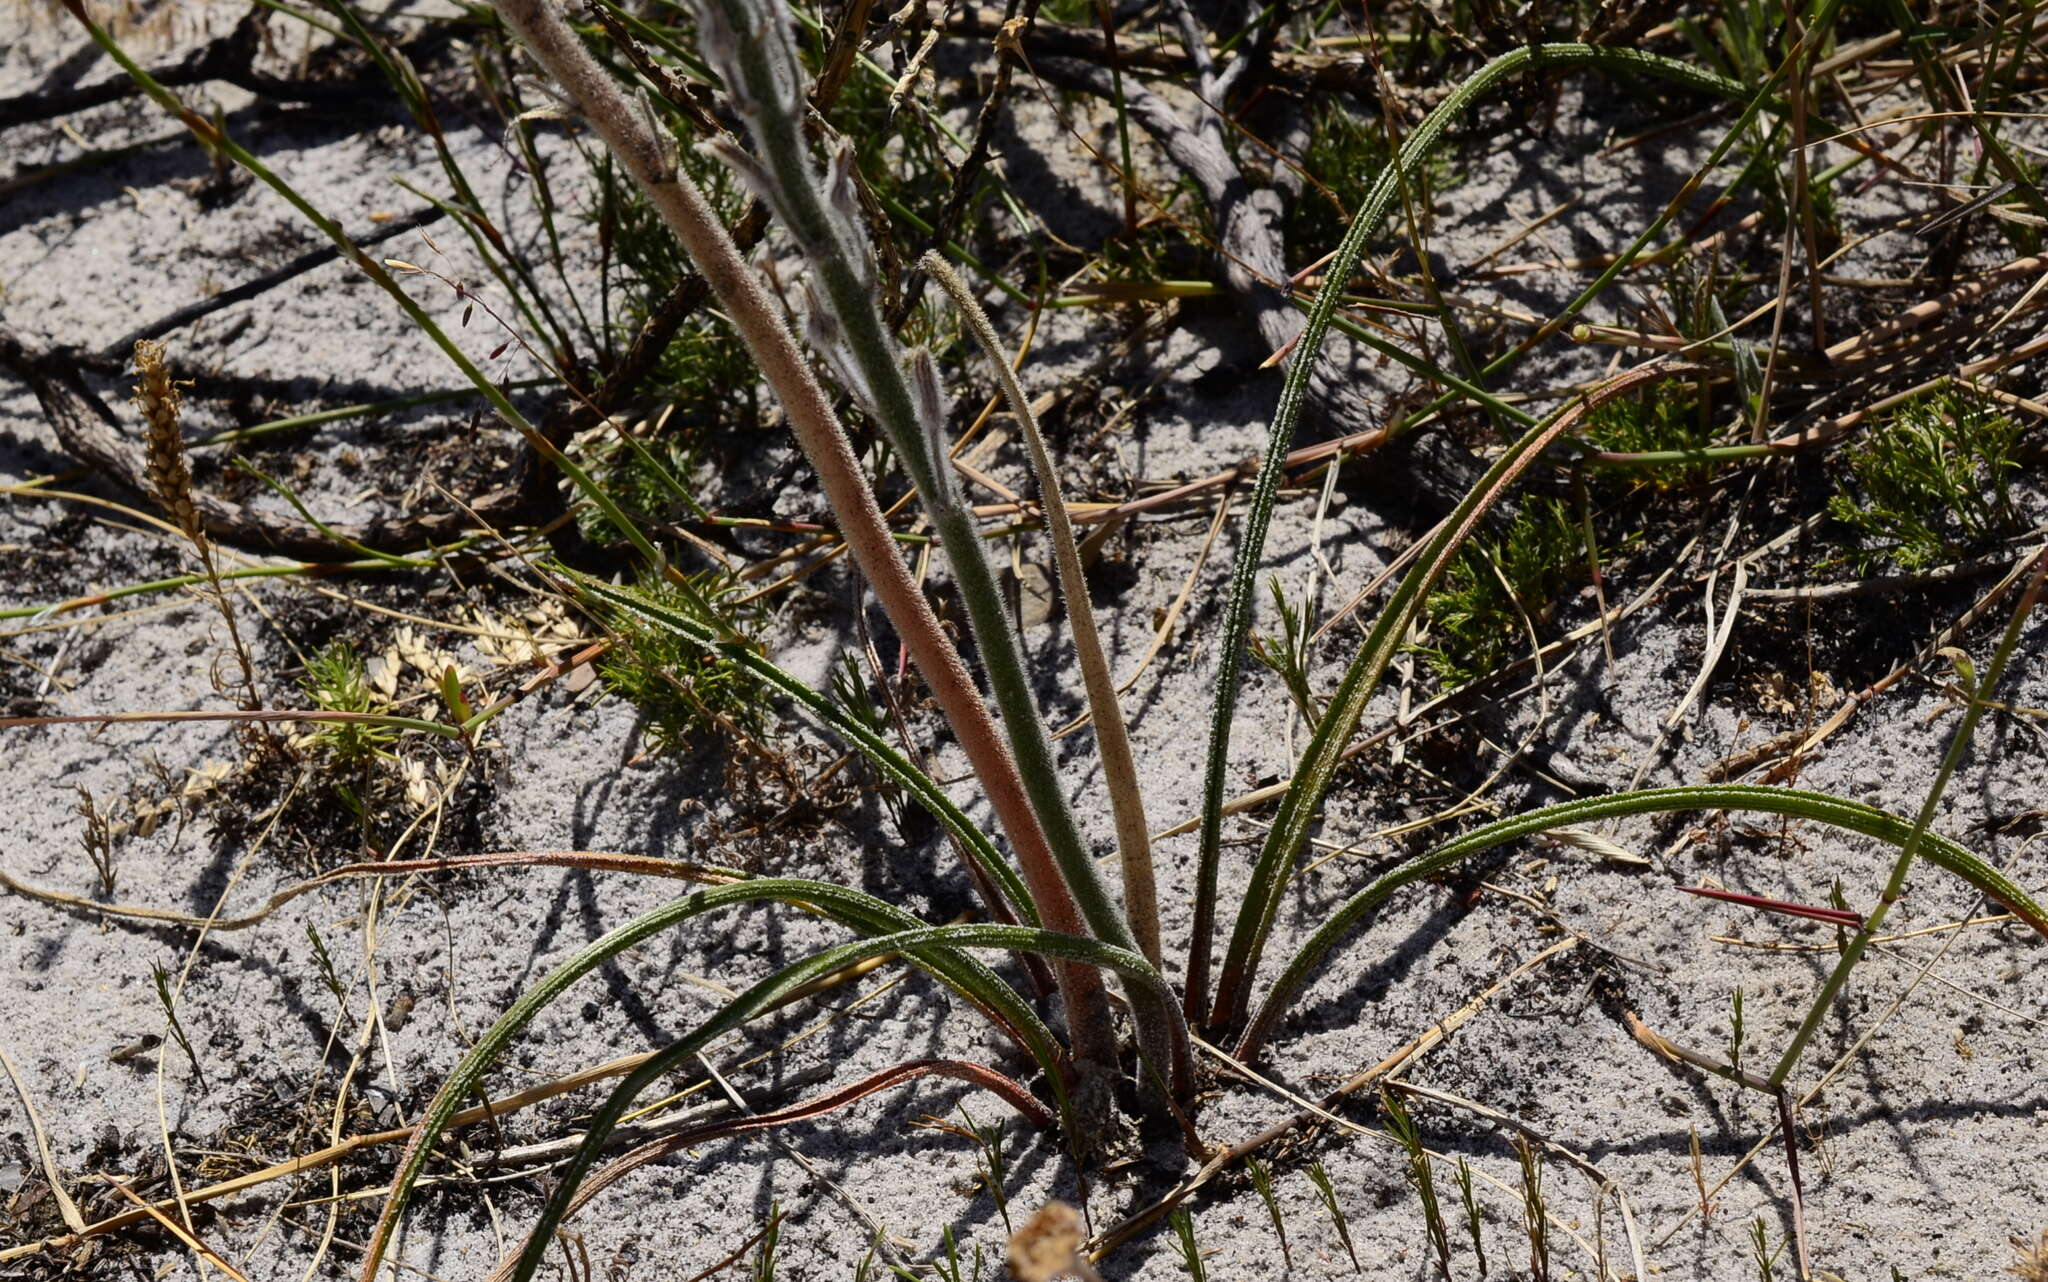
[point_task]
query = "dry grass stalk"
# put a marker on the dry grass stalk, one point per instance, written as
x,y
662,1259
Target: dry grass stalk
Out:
x,y
169,472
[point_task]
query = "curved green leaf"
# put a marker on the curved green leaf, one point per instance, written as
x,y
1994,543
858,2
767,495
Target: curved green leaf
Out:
x,y
965,975
1318,766
762,996
1851,816
1372,214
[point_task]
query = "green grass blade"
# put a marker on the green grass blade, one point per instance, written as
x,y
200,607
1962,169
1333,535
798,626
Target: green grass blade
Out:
x,y
1917,838
1836,812
852,908
919,943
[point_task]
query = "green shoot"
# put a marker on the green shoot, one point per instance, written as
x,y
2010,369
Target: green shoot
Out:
x,y
1662,419
949,1267
1762,1252
1346,152
995,1164
1190,1253
867,1259
1471,1204
1477,618
1262,1181
763,1269
1287,655
98,840
682,689
325,961
163,995
1699,1174
849,691
1325,1190
1422,1176
1735,1030
336,681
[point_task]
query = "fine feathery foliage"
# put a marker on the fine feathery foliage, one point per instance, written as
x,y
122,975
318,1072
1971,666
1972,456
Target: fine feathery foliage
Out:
x,y
1497,590
1931,483
682,689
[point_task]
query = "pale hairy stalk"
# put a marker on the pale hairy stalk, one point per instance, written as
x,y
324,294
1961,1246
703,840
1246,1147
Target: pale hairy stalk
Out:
x,y
1119,770
754,314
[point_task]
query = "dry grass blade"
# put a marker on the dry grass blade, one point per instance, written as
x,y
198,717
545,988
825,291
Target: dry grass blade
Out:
x,y
51,1175
178,1231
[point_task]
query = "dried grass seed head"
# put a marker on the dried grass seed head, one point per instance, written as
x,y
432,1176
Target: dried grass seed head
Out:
x,y
164,462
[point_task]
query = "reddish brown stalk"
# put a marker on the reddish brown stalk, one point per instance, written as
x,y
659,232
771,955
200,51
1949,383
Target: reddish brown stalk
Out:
x,y
760,323
974,1074
1833,916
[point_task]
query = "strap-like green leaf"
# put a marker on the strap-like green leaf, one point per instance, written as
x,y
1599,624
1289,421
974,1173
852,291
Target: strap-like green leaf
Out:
x,y
919,943
1304,796
964,974
1851,816
1372,214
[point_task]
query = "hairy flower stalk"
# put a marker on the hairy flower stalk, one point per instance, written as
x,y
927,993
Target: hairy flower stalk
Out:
x,y
747,42
755,315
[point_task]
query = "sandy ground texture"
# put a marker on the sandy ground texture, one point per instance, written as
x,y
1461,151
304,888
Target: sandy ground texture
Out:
x,y
1923,1106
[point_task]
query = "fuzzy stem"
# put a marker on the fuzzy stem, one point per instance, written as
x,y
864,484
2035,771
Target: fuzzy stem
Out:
x,y
1119,769
742,297
747,42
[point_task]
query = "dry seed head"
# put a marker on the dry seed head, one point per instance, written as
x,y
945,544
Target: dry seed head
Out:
x,y
1049,1246
170,476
